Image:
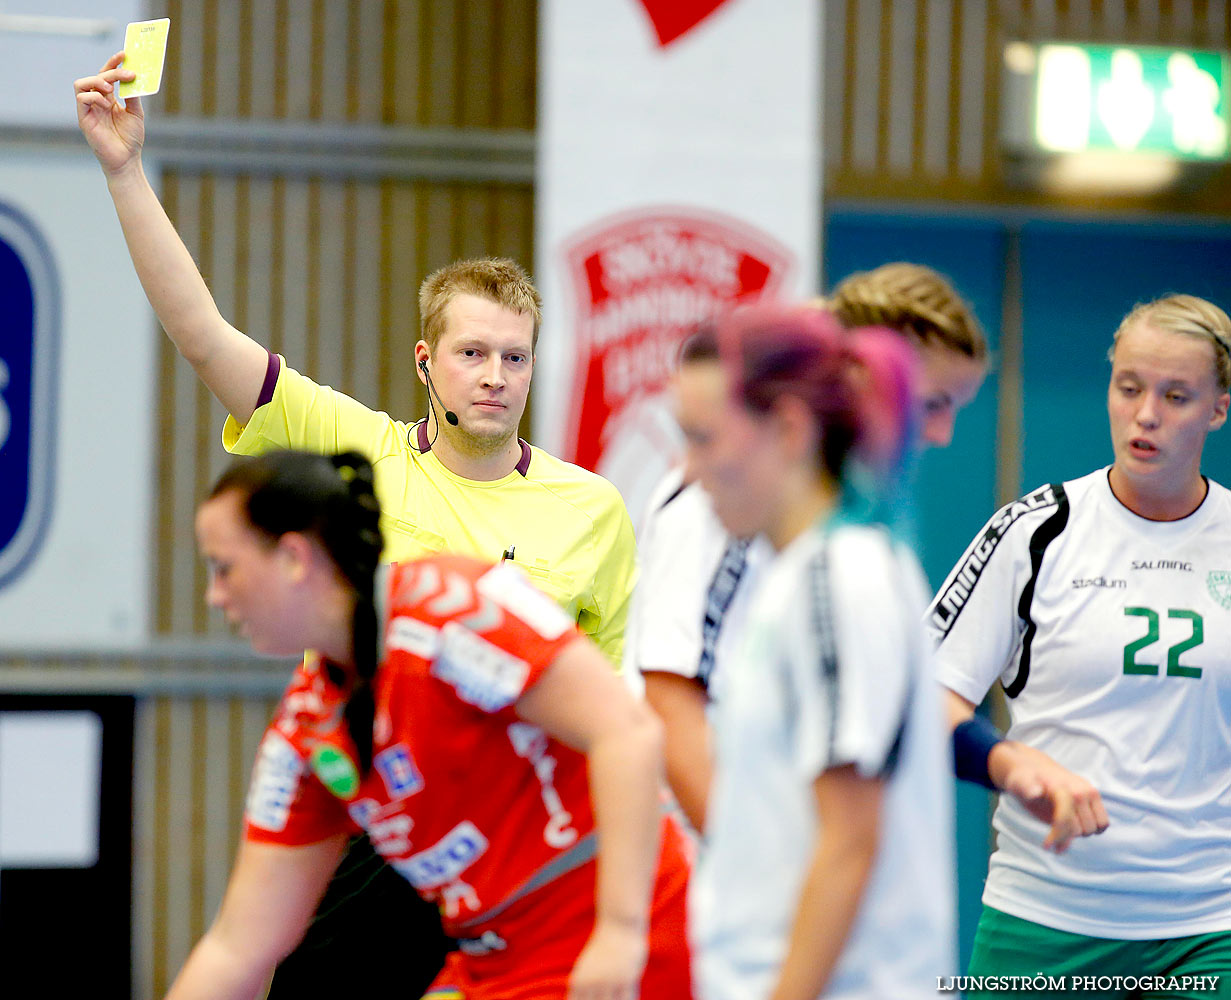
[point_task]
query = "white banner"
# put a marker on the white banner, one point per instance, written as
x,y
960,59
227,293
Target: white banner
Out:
x,y
679,171
78,344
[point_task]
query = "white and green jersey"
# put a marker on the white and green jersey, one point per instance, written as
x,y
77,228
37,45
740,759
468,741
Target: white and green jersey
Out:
x,y
833,670
1111,635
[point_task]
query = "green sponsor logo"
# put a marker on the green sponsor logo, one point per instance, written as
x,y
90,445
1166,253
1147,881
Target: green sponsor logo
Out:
x,y
336,771
1219,584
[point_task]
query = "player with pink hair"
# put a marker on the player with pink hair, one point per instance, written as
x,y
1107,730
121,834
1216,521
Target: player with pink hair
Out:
x,y
828,864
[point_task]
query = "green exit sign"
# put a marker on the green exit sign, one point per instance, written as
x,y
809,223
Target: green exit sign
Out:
x,y
1068,98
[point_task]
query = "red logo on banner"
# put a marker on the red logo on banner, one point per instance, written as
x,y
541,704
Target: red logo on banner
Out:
x,y
642,281
673,18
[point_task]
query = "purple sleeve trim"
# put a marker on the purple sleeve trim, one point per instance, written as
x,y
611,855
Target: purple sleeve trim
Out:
x,y
271,380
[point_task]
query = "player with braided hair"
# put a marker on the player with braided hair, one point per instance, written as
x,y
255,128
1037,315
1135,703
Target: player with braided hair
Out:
x,y
919,303
337,505
458,717
696,580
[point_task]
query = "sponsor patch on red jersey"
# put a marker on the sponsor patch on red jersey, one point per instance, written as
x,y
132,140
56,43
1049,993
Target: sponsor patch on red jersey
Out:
x,y
445,860
481,673
275,782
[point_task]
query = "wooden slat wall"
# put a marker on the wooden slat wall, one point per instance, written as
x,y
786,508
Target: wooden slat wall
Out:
x,y
188,811
912,93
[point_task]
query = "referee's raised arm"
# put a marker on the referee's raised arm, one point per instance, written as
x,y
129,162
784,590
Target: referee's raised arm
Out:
x,y
231,364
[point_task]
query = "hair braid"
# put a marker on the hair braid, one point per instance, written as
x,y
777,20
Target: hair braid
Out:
x,y
1188,315
912,299
356,550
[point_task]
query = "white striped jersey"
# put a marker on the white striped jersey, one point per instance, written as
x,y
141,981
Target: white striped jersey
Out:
x,y
694,587
1111,635
834,670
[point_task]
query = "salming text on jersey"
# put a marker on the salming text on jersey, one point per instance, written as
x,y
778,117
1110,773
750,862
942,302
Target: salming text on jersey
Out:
x,y
952,599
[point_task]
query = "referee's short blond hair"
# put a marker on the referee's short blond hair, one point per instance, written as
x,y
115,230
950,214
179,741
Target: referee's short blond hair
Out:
x,y
497,279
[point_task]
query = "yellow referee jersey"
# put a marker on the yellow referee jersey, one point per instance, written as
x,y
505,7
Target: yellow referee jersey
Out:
x,y
567,528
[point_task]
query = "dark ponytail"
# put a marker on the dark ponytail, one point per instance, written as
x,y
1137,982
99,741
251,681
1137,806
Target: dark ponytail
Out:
x,y
332,499
357,553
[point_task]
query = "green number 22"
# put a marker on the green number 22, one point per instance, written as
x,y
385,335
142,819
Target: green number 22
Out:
x,y
1131,666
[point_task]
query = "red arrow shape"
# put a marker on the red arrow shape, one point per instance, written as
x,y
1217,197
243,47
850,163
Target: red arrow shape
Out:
x,y
673,18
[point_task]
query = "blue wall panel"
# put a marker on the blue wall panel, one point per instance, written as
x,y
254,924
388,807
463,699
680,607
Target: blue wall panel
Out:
x,y
955,488
1078,282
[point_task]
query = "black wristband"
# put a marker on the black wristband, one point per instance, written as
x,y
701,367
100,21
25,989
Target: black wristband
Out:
x,y
972,743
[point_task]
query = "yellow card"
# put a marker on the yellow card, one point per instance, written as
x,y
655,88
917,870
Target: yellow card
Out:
x,y
145,50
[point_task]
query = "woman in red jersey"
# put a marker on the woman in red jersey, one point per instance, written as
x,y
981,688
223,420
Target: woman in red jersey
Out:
x,y
457,716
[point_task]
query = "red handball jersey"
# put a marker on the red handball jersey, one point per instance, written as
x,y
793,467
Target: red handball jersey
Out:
x,y
465,800
481,812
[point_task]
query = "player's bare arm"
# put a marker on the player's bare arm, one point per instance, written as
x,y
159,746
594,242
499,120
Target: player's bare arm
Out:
x,y
580,702
681,703
268,903
848,809
1070,805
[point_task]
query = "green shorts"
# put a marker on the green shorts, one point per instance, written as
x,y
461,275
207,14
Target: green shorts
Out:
x,y
1017,958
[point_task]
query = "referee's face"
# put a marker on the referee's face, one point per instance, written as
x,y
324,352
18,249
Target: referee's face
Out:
x,y
481,369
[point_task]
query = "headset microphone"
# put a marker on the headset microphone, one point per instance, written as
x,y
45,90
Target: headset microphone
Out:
x,y
450,416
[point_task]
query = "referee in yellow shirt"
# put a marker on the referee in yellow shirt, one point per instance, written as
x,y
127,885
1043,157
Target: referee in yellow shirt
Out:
x,y
460,479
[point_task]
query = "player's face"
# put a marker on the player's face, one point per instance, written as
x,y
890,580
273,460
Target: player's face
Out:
x,y
948,380
724,448
1162,401
247,575
482,366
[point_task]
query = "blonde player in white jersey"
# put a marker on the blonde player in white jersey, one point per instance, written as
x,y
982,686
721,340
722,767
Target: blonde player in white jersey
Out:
x,y
696,580
828,867
1103,606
